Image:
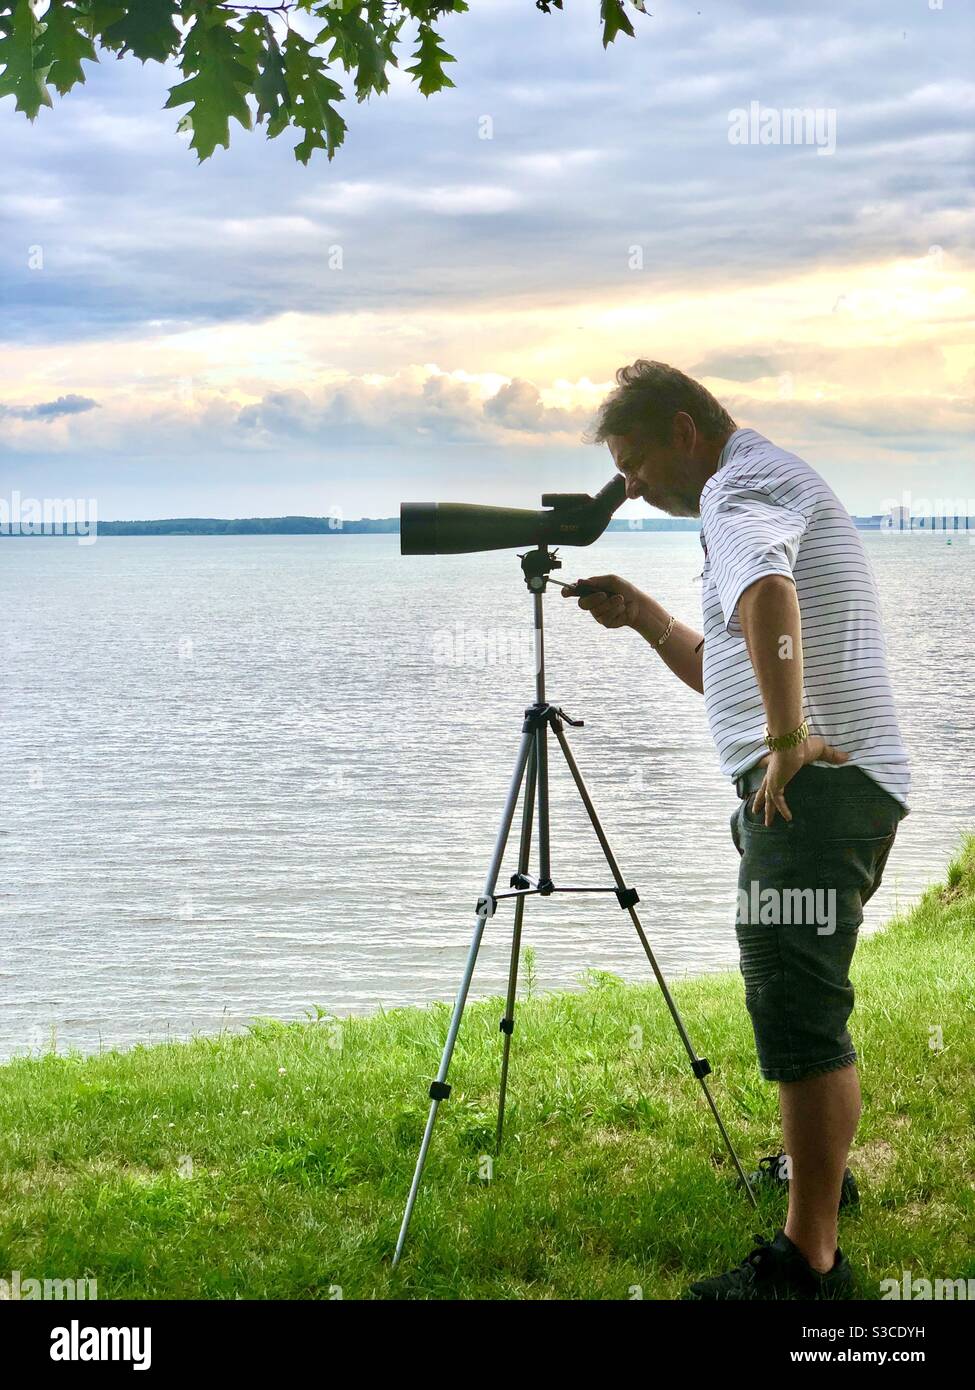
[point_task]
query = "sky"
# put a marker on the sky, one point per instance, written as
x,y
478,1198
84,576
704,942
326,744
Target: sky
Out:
x,y
436,314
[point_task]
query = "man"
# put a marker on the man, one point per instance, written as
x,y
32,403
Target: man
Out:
x,y
792,667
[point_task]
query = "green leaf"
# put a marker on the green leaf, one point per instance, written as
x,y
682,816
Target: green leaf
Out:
x,y
25,67
146,29
270,85
430,57
65,44
216,90
99,16
615,21
363,45
312,95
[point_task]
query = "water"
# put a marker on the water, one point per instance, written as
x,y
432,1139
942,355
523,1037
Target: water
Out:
x,y
255,775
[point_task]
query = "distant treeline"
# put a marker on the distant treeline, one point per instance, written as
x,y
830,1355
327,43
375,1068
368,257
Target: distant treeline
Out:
x,y
317,526
248,526
331,526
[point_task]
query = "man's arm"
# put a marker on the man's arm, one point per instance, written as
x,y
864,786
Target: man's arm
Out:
x,y
618,603
771,624
683,650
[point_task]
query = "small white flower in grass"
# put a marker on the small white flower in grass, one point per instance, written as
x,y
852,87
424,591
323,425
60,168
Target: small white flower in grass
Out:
x,y
282,1071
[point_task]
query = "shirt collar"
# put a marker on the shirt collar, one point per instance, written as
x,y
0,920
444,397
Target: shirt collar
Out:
x,y
731,446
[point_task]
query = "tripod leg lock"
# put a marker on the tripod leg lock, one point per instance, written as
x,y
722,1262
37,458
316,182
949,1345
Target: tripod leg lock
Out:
x,y
507,1025
701,1068
486,907
575,723
520,881
628,897
439,1090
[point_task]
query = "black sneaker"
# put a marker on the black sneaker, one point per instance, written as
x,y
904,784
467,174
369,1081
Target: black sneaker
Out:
x,y
773,1170
776,1270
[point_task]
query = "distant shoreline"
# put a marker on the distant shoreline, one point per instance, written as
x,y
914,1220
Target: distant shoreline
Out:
x,y
389,525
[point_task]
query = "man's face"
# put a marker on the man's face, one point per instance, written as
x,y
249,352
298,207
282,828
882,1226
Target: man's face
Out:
x,y
662,474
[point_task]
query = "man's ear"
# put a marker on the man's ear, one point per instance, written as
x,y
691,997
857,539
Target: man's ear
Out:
x,y
683,431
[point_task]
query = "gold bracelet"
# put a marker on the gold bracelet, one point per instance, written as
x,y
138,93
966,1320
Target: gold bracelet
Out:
x,y
670,627
776,742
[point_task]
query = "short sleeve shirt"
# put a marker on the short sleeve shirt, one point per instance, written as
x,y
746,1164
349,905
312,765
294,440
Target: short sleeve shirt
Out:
x,y
763,512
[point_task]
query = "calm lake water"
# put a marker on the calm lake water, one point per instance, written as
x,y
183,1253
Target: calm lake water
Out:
x,y
255,775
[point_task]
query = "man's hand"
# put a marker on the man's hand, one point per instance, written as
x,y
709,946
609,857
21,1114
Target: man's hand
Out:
x,y
781,767
617,604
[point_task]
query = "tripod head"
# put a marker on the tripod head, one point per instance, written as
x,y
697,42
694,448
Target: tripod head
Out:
x,y
536,565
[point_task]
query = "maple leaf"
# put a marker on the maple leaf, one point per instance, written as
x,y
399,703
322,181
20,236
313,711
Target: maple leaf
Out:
x,y
430,57
312,93
146,29
216,90
260,45
365,45
64,44
99,16
25,67
615,21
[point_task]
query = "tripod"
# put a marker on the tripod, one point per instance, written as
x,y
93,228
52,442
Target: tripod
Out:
x,y
532,769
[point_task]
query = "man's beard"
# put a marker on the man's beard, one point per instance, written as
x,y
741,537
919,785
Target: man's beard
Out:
x,y
679,506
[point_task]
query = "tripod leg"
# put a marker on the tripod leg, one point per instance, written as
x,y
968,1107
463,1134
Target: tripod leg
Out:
x,y
439,1090
699,1065
508,1022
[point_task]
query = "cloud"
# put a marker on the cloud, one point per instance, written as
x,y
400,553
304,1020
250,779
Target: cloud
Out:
x,y
731,368
408,408
445,200
51,410
518,406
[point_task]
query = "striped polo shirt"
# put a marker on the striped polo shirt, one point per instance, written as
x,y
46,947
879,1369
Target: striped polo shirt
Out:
x,y
765,511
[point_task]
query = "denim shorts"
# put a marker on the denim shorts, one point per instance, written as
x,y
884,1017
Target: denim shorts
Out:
x,y
801,890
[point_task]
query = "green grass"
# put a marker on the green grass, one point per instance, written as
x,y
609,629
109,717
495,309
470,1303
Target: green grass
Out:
x,y
612,1173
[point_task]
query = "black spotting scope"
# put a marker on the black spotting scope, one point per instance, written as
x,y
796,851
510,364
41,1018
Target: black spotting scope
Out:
x,y
456,528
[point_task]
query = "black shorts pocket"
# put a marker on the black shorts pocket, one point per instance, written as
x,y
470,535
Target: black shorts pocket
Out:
x,y
851,871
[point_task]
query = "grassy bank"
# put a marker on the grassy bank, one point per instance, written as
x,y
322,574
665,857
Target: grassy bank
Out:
x,y
275,1165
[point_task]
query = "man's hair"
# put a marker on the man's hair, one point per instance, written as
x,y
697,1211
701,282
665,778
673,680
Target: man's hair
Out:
x,y
648,396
